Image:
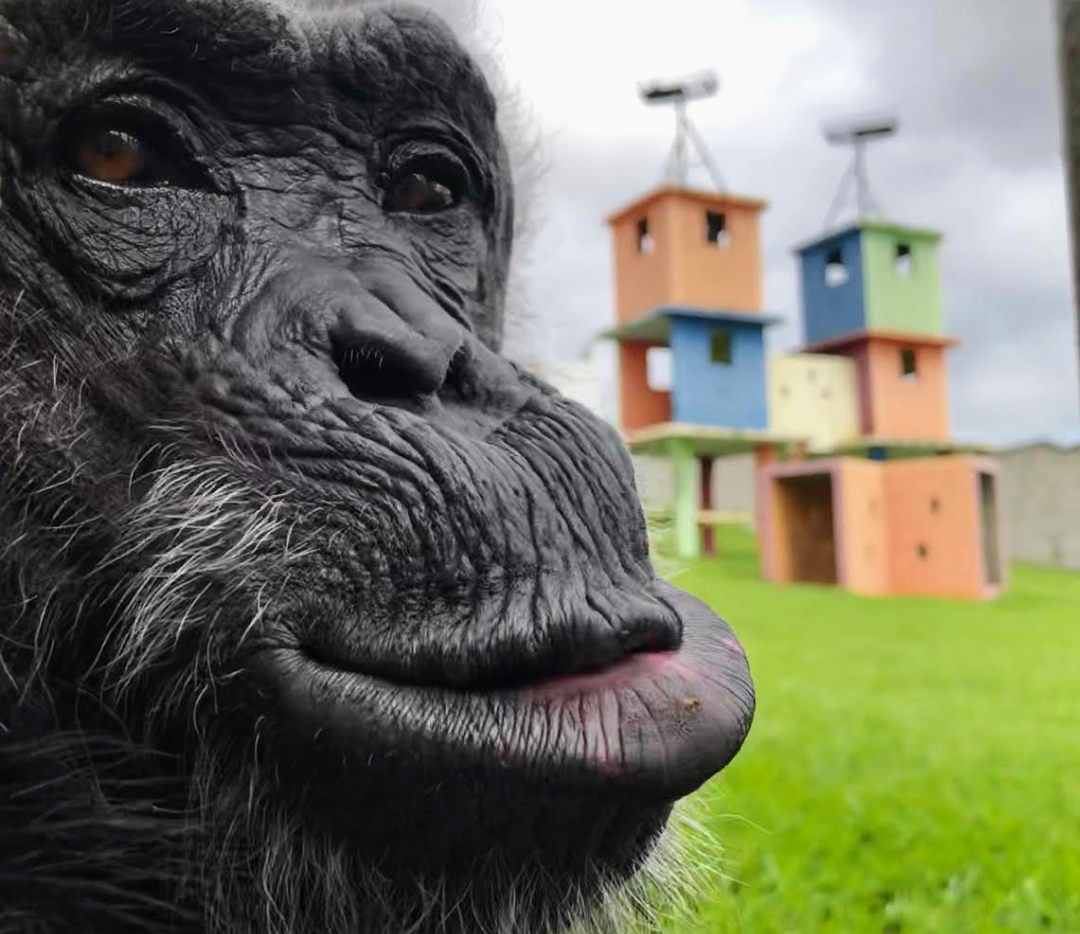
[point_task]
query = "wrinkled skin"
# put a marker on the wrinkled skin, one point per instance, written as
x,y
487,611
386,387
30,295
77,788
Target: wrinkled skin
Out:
x,y
316,613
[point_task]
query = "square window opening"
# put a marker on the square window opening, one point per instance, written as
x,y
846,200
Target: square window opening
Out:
x,y
909,369
836,273
645,241
658,369
903,261
720,348
716,229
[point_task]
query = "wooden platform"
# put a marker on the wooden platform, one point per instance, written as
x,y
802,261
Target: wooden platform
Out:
x,y
704,440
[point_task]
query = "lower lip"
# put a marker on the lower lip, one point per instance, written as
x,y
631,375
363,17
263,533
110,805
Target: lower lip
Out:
x,y
612,678
657,724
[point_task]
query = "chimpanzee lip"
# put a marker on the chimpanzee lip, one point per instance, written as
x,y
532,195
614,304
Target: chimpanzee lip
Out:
x,y
581,677
509,667
655,724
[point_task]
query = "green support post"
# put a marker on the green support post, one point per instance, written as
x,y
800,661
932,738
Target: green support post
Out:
x,y
684,465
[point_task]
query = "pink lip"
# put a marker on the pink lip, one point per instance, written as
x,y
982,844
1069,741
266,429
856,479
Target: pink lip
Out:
x,y
656,724
607,679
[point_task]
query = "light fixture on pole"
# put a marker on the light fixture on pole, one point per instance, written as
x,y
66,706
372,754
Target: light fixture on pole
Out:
x,y
678,94
857,134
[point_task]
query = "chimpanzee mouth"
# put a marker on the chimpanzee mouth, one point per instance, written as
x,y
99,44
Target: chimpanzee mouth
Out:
x,y
516,677
655,719
569,655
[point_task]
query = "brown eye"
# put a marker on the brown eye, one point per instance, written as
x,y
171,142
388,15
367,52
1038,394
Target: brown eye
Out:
x,y
131,146
111,156
420,194
426,183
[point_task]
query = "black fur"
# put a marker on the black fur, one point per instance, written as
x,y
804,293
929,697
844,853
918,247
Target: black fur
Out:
x,y
316,614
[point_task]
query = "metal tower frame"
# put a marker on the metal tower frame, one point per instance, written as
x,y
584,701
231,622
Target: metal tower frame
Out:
x,y
857,134
688,140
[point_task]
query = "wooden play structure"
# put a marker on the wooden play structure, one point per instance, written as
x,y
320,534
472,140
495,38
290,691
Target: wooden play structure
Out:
x,y
688,283
858,484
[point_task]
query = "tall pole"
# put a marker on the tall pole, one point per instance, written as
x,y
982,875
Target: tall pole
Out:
x,y
866,205
861,187
677,168
682,160
1069,60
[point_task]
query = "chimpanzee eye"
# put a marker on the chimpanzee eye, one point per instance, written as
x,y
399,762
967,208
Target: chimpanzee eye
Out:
x,y
420,194
427,184
126,147
111,156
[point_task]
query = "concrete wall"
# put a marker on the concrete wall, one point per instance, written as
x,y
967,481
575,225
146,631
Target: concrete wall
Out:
x,y
898,303
683,267
899,527
908,407
832,310
733,483
707,275
1041,503
894,405
934,526
877,294
862,525
705,393
639,404
814,396
643,281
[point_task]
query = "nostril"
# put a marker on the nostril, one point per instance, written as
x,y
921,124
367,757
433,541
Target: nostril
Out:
x,y
457,373
375,371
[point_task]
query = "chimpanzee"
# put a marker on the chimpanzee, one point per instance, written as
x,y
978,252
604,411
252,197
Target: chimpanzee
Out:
x,y
317,614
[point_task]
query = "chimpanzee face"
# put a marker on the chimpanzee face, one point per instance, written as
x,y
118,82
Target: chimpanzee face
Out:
x,y
322,615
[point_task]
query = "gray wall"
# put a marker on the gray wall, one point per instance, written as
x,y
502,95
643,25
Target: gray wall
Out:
x,y
1041,504
733,483
1040,497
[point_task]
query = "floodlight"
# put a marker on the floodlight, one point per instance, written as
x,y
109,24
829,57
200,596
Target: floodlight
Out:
x,y
857,133
865,129
678,94
694,88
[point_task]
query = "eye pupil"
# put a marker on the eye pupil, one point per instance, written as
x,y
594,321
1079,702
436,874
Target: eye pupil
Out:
x,y
110,156
420,193
112,143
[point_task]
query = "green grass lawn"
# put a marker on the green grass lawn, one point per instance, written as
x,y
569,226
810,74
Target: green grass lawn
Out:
x,y
914,765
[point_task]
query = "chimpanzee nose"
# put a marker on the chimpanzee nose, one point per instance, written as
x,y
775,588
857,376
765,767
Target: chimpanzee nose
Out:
x,y
379,356
389,339
386,339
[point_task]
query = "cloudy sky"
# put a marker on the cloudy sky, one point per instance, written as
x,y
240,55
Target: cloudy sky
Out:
x,y
973,83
